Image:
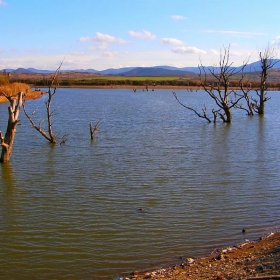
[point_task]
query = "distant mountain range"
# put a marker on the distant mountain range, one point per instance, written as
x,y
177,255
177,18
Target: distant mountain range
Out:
x,y
144,71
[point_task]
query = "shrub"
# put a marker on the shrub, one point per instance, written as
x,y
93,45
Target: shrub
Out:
x,y
4,80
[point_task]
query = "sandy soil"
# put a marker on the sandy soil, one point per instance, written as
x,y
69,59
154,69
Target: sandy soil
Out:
x,y
252,260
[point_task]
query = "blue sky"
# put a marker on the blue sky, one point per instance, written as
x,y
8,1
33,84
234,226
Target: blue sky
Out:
x,y
102,34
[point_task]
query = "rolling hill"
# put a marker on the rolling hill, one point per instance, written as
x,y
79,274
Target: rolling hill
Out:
x,y
145,71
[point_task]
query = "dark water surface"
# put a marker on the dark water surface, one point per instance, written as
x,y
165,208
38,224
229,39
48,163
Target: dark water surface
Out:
x,y
73,211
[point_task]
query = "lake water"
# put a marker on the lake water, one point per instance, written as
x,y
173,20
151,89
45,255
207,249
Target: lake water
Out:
x,y
157,184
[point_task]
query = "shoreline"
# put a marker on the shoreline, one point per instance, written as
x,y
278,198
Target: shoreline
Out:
x,y
30,95
150,87
258,259
35,94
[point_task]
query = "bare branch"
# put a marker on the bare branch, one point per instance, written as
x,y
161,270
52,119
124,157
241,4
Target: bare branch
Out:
x,y
204,116
93,130
217,84
39,127
49,135
64,139
267,61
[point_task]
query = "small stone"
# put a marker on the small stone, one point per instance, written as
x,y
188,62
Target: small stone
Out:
x,y
259,268
135,273
190,260
182,265
220,257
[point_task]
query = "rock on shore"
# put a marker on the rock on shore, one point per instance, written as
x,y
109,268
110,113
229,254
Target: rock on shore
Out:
x,y
251,260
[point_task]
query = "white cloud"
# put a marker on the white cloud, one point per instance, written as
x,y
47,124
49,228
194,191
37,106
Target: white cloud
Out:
x,y
101,46
276,42
77,53
184,49
178,17
235,33
214,52
232,53
107,38
70,64
85,39
101,41
172,41
108,54
102,38
142,35
235,53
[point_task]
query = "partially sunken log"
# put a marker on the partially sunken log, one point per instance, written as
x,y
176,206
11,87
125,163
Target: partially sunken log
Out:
x,y
8,140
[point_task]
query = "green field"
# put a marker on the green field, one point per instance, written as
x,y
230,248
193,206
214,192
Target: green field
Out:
x,y
123,78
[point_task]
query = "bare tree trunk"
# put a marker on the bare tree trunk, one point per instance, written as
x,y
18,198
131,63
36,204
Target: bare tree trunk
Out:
x,y
267,62
263,86
8,140
93,130
228,115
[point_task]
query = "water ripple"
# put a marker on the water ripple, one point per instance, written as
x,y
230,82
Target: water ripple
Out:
x,y
157,183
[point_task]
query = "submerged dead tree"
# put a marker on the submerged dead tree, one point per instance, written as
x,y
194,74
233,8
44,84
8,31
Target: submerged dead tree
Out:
x,y
256,96
93,130
267,62
7,141
203,115
48,132
216,83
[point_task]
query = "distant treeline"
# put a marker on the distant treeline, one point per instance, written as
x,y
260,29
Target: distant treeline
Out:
x,y
115,82
135,83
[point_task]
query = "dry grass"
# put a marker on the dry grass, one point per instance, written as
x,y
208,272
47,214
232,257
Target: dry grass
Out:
x,y
12,90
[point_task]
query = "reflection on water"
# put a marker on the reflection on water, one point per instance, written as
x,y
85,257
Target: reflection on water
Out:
x,y
7,175
157,183
8,199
